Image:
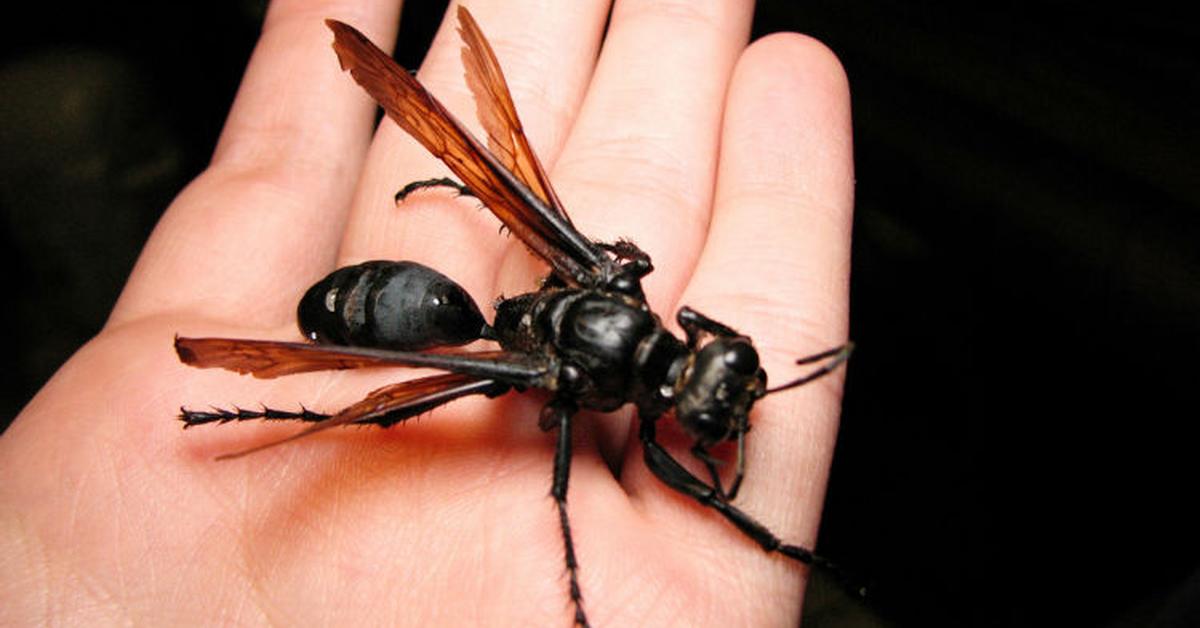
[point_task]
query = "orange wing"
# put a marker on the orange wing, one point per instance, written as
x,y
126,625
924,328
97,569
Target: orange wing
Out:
x,y
522,198
498,113
271,358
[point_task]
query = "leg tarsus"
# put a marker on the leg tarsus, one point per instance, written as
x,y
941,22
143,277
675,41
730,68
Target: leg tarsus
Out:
x,y
432,183
221,415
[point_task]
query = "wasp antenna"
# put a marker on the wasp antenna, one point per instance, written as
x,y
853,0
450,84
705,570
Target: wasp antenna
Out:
x,y
836,357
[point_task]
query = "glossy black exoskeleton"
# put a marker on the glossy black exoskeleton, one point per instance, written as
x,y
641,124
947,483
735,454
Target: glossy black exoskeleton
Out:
x,y
390,305
586,335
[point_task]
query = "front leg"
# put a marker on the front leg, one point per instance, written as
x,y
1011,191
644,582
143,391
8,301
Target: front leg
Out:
x,y
674,475
711,463
694,322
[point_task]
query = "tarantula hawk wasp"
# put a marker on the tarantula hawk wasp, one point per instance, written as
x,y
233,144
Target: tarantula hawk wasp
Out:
x,y
586,334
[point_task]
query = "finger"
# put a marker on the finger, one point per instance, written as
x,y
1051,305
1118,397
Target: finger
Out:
x,y
641,158
775,265
546,52
261,223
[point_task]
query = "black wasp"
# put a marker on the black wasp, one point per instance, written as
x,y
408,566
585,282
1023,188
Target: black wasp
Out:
x,y
586,335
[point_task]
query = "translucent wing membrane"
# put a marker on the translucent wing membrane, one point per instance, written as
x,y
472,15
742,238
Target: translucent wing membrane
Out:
x,y
520,196
271,358
498,113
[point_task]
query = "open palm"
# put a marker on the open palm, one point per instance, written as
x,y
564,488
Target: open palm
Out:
x,y
730,165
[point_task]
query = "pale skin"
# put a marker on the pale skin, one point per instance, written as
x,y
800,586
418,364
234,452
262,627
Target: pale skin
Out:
x,y
729,164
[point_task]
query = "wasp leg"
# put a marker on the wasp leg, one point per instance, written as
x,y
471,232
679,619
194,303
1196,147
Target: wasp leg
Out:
x,y
560,412
674,475
694,322
221,415
711,463
444,182
625,250
636,261
635,264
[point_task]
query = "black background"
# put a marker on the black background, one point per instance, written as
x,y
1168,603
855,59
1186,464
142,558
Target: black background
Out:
x,y
1016,446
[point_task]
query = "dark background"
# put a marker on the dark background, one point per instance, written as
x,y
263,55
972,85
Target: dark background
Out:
x,y
1016,443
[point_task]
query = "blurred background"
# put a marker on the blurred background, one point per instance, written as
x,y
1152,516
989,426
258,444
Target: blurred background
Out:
x,y
1016,446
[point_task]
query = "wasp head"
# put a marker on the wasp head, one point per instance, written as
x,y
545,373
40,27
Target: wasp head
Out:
x,y
715,392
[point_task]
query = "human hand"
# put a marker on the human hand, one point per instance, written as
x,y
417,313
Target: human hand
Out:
x,y
730,165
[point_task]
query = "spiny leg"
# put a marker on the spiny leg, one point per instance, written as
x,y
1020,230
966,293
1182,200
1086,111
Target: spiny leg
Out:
x,y
560,412
443,182
674,475
384,406
192,418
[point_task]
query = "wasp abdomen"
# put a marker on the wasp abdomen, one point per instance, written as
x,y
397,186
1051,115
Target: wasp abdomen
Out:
x,y
389,305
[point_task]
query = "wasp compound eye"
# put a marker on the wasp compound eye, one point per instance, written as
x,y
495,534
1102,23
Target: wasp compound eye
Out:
x,y
742,358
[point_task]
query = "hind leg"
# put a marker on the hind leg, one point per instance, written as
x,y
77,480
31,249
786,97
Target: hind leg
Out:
x,y
443,182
